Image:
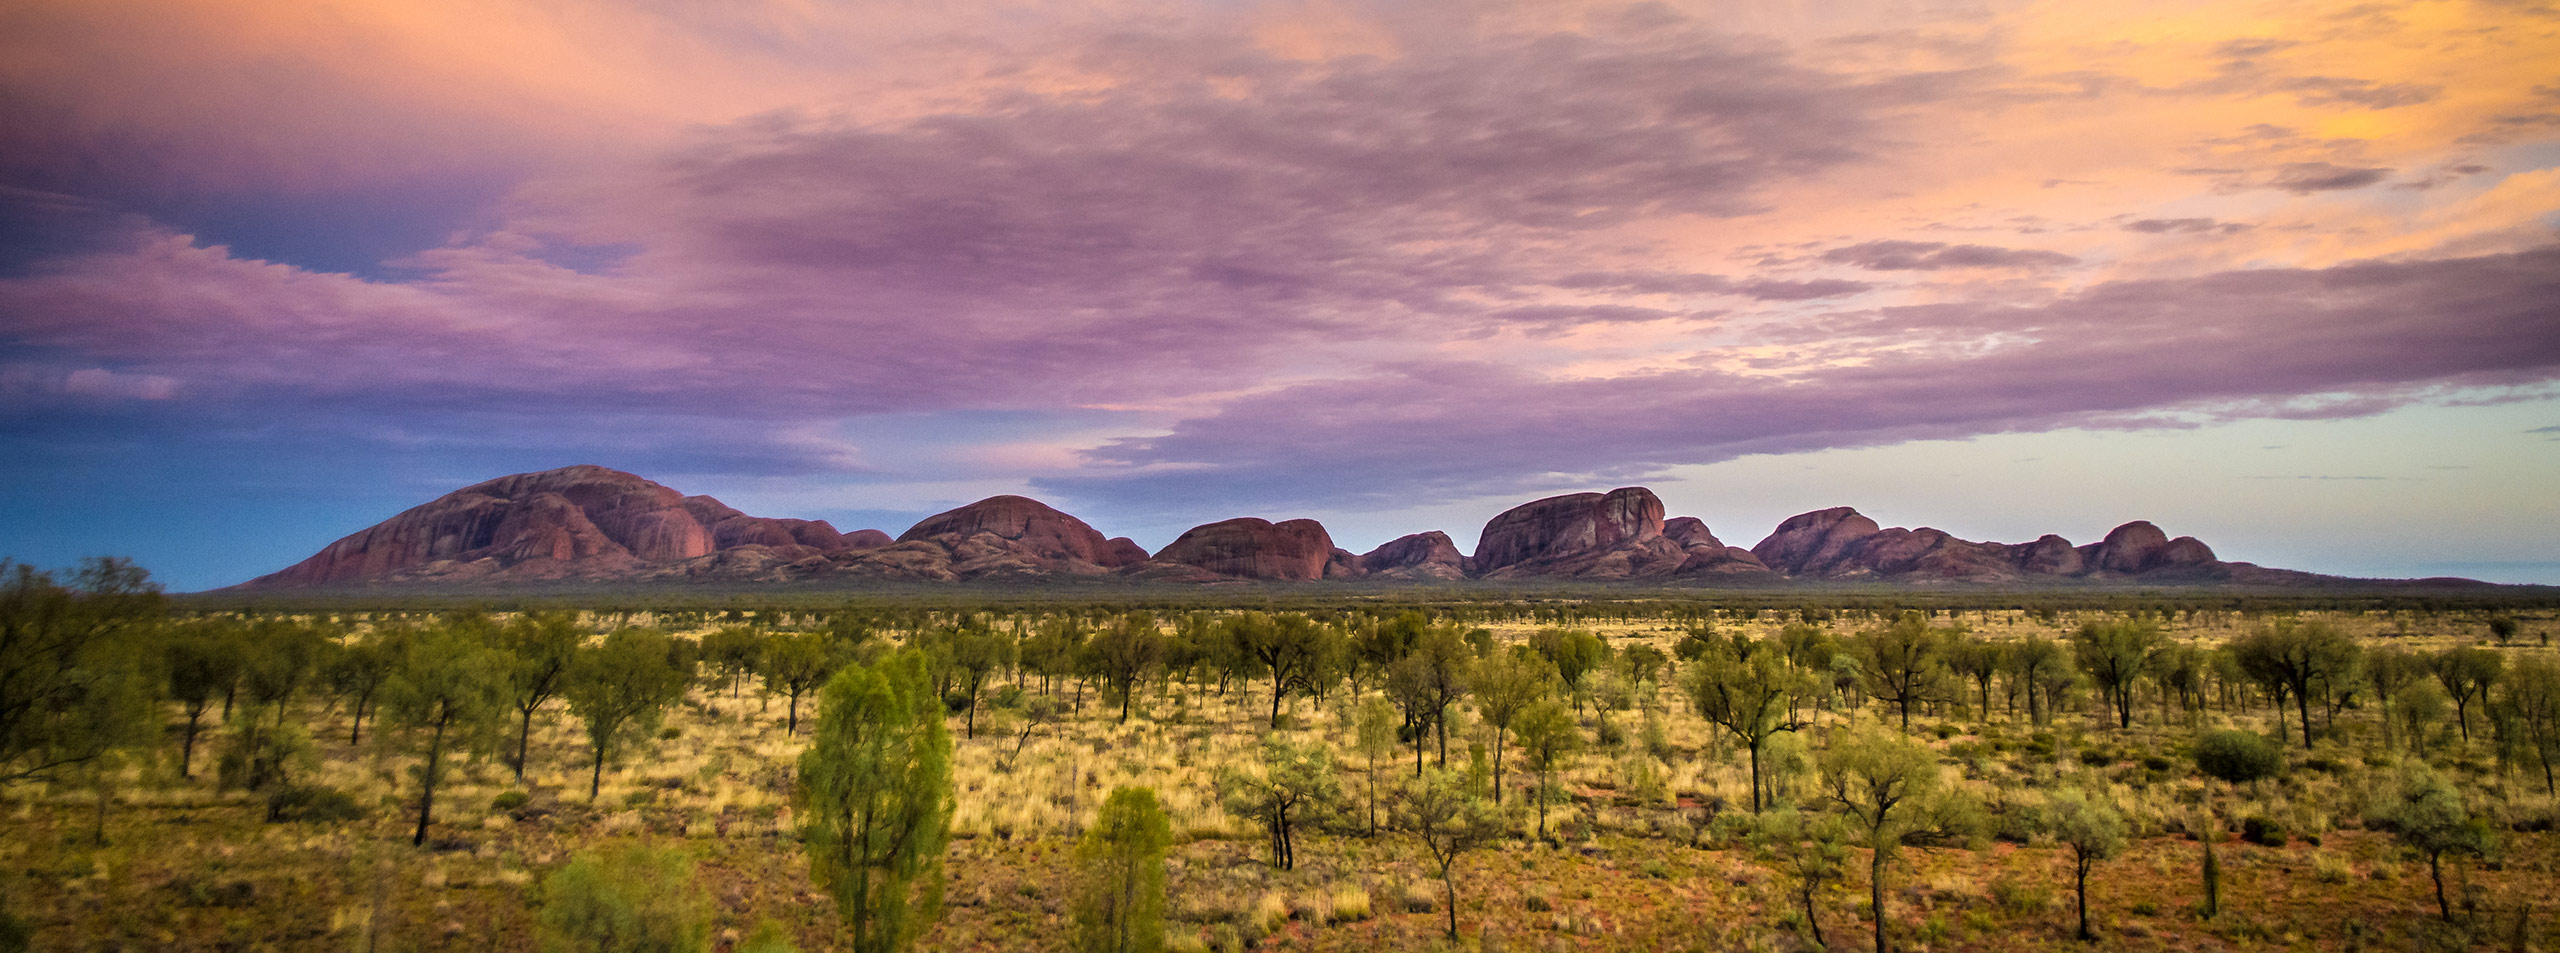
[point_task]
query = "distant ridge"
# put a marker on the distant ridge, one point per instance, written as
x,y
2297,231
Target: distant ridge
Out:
x,y
591,523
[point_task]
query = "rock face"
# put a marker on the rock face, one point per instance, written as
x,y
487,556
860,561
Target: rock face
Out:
x,y
1251,548
1613,535
1839,543
580,522
592,523
1419,556
1000,536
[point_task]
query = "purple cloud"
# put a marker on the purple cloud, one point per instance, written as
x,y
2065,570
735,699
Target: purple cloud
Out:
x,y
2304,178
1933,256
2133,353
2157,226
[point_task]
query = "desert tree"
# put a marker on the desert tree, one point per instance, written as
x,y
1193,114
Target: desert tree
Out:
x,y
1426,683
1892,791
977,653
199,667
1548,741
1506,684
731,653
542,647
621,689
2289,658
2391,670
875,799
1287,648
1811,849
446,695
1979,661
1375,734
1747,690
354,669
284,657
2529,710
2092,828
1904,662
794,665
630,898
1576,654
1121,875
1451,821
1291,785
1124,652
2426,814
2466,672
2114,653
79,675
2040,664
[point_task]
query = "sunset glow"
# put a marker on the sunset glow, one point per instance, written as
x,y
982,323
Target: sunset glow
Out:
x,y
2283,276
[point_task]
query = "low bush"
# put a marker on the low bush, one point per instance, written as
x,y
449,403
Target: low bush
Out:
x,y
312,803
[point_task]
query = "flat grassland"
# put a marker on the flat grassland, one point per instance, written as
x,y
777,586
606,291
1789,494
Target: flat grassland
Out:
x,y
1638,860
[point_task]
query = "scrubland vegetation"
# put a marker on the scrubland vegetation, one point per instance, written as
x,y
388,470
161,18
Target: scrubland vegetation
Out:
x,y
1547,774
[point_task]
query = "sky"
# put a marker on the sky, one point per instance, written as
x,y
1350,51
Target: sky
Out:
x,y
2283,276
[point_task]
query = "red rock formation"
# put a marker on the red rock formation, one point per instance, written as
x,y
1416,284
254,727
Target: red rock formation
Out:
x,y
1121,551
865,538
1251,548
574,520
1613,535
1814,544
1419,556
1044,532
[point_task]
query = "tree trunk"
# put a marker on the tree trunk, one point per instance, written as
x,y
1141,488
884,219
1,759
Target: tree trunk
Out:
x,y
595,780
1497,765
1875,896
2302,703
524,741
1755,774
2435,869
427,784
187,748
1449,885
1813,920
2080,867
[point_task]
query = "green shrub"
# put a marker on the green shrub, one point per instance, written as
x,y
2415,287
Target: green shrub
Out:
x,y
312,803
2097,757
630,899
2238,757
2262,830
509,801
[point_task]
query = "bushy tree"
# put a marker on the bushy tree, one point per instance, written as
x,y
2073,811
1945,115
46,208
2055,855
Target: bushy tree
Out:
x,y
1905,662
2426,815
1812,849
201,666
625,899
72,664
1748,690
447,694
1292,784
542,646
731,653
1124,652
1890,788
1424,684
2530,709
2091,827
2466,672
795,664
1576,654
1506,684
1121,873
2114,653
622,689
1375,734
1548,740
2289,658
1451,821
875,800
354,669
